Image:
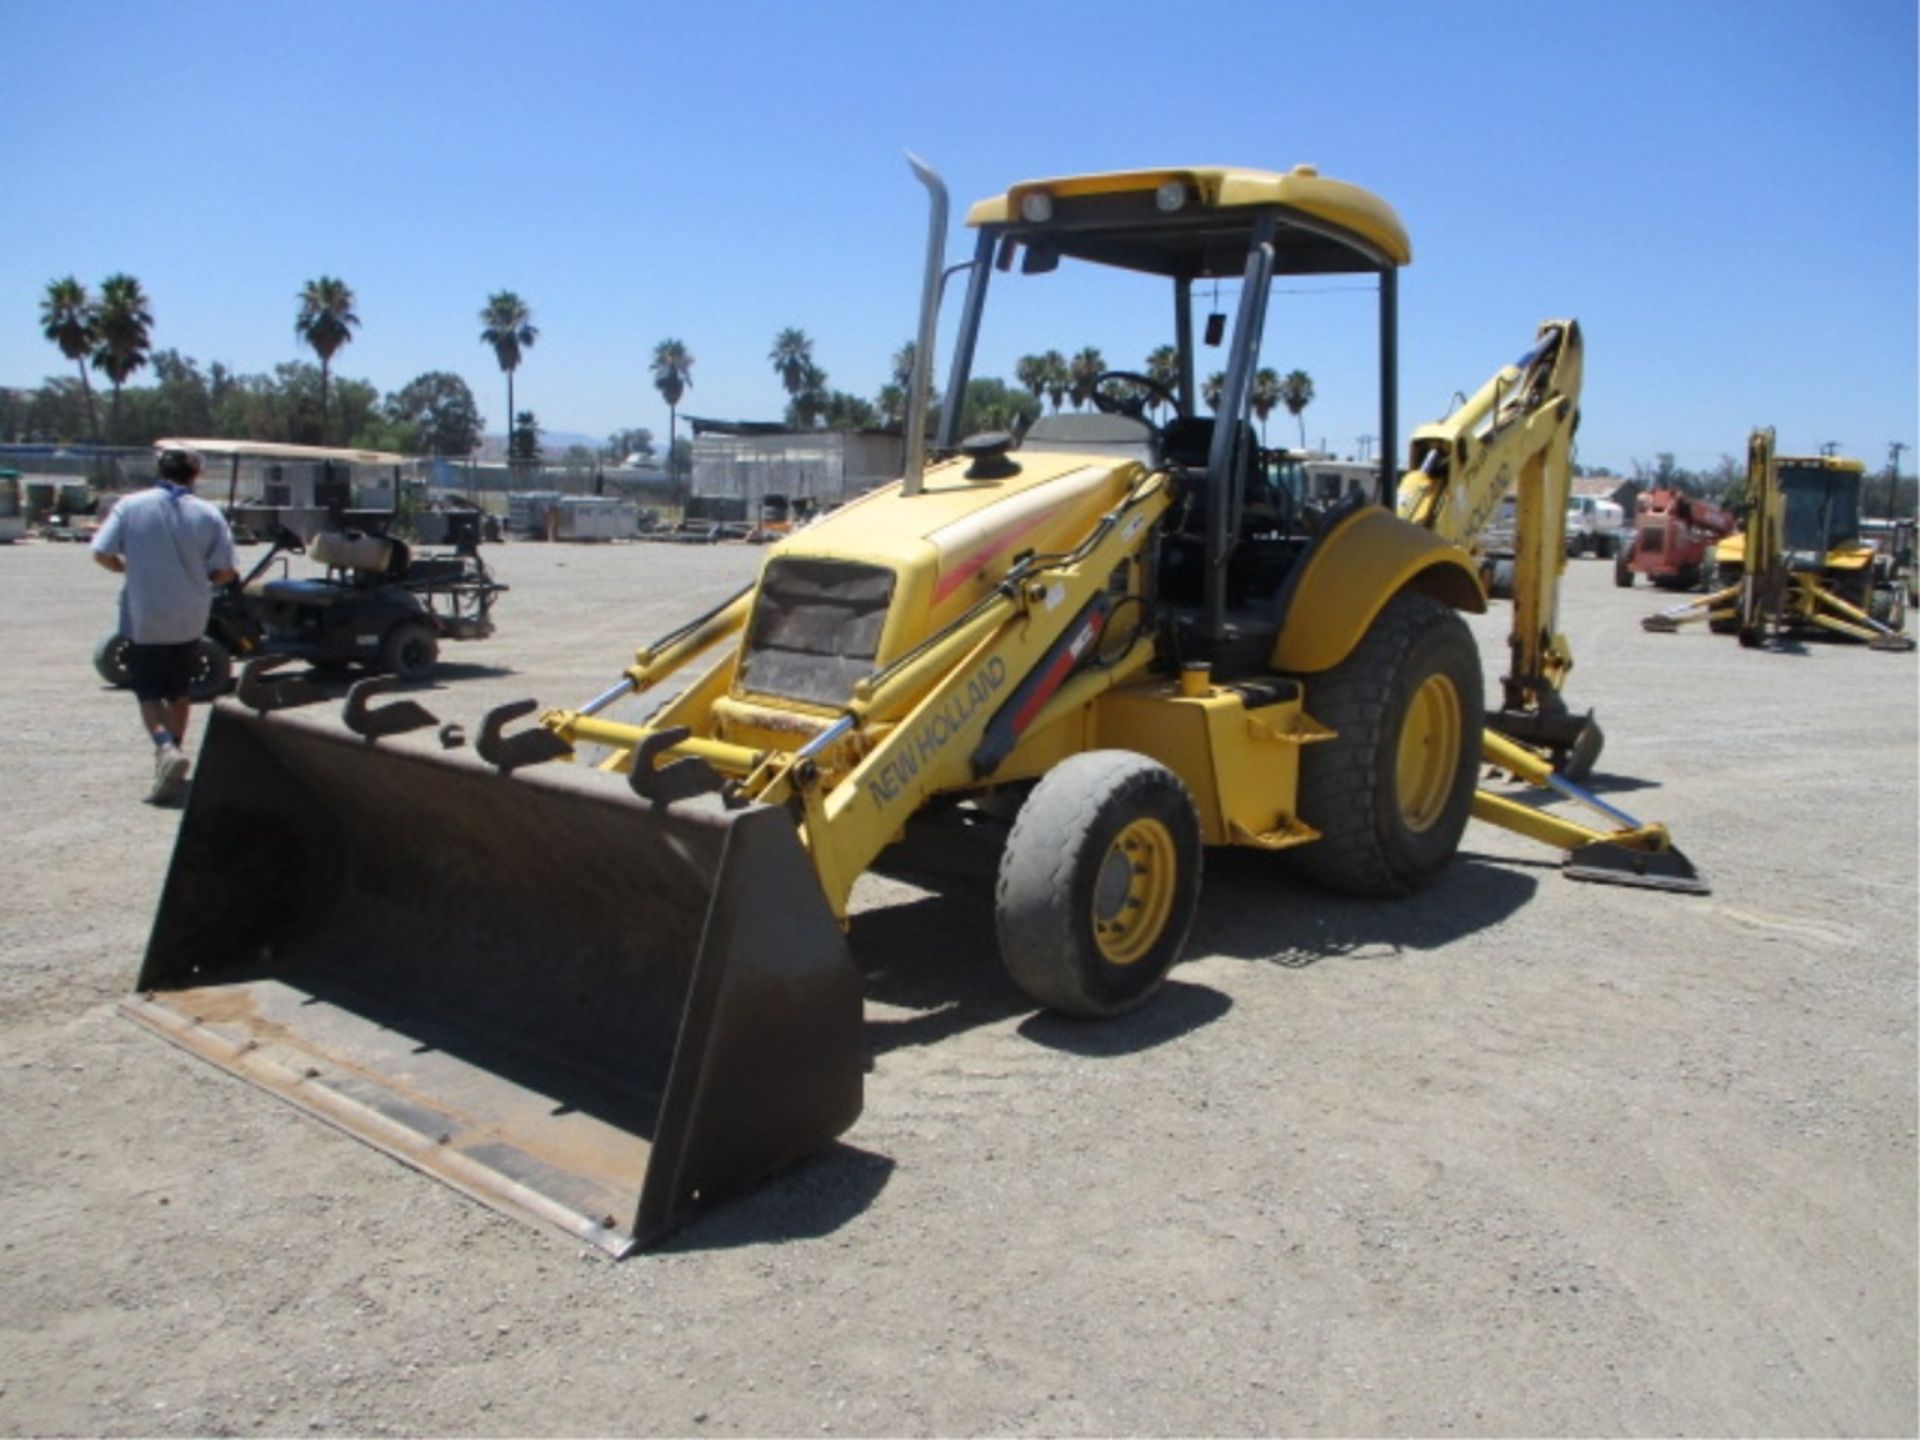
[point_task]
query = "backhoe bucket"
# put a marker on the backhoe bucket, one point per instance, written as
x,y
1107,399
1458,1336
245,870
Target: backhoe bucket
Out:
x,y
575,1006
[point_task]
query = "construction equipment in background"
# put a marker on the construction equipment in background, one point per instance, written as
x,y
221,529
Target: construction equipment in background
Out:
x,y
605,993
1499,470
1673,540
1799,565
1595,526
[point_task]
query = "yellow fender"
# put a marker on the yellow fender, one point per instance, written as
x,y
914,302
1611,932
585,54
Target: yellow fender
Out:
x,y
1347,578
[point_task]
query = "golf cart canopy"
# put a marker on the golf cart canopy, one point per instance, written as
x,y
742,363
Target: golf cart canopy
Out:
x,y
1196,223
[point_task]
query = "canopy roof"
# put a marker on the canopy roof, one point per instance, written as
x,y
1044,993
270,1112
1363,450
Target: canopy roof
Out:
x,y
272,450
1326,227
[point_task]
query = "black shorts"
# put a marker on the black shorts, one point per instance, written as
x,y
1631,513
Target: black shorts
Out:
x,y
162,672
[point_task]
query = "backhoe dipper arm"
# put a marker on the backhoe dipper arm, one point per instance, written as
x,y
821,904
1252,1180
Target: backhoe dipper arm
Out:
x,y
1514,435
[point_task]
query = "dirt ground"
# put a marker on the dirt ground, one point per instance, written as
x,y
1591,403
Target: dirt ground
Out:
x,y
1516,1156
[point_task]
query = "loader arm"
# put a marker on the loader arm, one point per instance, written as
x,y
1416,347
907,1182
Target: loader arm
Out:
x,y
941,718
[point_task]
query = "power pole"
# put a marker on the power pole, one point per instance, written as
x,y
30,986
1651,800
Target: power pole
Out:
x,y
1893,476
1832,447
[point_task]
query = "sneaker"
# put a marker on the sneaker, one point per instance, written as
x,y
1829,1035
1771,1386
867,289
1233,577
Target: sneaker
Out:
x,y
169,775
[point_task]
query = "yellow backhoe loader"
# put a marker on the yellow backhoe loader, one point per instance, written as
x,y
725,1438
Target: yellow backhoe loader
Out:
x,y
1799,563
615,984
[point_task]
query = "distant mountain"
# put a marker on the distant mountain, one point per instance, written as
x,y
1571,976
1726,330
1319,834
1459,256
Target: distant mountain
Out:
x,y
553,443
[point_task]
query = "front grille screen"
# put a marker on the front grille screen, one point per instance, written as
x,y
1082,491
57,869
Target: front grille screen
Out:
x,y
815,629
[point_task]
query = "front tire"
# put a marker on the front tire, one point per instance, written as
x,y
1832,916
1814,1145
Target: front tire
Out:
x,y
1390,794
410,651
1098,883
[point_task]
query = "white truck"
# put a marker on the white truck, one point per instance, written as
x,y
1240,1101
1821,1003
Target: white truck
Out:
x,y
1595,526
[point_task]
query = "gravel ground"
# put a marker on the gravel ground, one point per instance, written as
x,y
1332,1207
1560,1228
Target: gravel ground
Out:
x,y
1516,1156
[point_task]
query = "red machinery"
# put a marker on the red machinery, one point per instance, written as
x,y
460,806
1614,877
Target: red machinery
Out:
x,y
1673,538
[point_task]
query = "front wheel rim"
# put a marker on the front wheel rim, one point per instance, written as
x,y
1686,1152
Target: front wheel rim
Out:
x,y
1133,891
1429,754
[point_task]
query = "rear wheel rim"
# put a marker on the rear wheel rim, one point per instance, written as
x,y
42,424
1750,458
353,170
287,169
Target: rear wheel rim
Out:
x,y
1133,891
1429,755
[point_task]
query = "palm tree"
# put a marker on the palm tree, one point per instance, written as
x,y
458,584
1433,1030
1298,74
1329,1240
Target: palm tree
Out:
x,y
672,377
792,359
1031,372
326,322
68,318
1082,371
903,359
121,336
1058,381
1215,385
810,399
1296,393
510,331
1163,365
1266,395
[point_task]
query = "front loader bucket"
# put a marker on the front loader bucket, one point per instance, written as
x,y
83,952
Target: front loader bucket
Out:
x,y
573,1005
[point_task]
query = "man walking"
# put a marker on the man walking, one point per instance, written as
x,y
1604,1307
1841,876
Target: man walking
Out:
x,y
173,549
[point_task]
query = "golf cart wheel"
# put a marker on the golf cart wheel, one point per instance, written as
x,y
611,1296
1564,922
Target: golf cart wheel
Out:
x,y
110,659
212,670
410,651
1390,793
1098,883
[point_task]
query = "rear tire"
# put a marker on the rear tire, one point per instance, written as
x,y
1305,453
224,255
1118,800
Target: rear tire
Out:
x,y
410,651
212,669
1098,883
1622,571
1390,794
110,659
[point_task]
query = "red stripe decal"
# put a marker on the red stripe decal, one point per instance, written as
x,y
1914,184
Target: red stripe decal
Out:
x,y
978,561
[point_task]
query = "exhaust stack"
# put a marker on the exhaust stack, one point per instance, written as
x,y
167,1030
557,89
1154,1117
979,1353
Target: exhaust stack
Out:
x,y
921,385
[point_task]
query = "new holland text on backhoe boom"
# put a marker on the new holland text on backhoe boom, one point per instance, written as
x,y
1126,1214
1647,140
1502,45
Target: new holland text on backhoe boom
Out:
x,y
620,988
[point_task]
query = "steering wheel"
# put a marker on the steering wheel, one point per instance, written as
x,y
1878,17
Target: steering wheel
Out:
x,y
1134,405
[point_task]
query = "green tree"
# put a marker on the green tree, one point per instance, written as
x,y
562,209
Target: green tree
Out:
x,y
523,444
891,403
1057,380
186,399
1163,365
903,359
1031,372
68,318
325,322
438,413
1211,390
673,377
622,443
1265,396
808,407
994,405
792,359
1296,393
1082,371
122,337
509,329
842,411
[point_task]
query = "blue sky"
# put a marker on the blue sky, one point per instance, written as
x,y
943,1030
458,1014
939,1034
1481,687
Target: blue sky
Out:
x,y
1722,193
